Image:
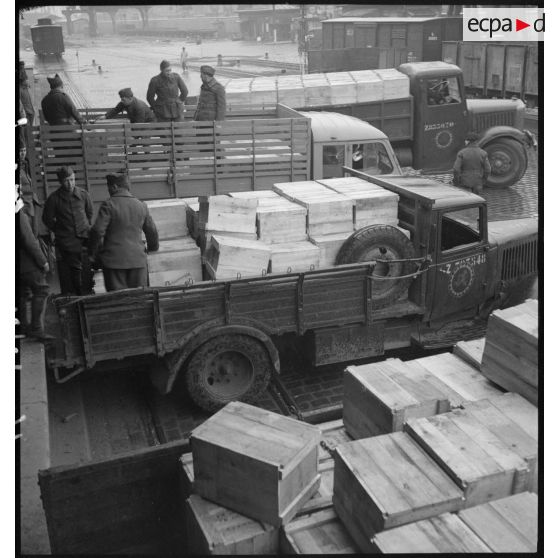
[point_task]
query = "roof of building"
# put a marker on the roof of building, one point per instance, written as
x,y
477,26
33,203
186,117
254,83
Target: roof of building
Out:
x,y
365,20
332,126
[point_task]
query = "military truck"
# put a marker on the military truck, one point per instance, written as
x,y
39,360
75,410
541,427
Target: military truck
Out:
x,y
259,146
387,291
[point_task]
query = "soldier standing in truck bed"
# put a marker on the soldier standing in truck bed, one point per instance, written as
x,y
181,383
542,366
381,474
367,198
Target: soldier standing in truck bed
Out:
x,y
116,236
471,167
57,107
212,101
167,94
136,109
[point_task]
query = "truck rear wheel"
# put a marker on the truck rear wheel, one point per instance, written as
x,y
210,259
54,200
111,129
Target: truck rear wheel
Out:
x,y
228,368
381,242
508,160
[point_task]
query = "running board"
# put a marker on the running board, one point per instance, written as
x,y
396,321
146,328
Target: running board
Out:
x,y
449,334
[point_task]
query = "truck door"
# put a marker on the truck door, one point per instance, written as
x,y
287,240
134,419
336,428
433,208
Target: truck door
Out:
x,y
440,130
460,278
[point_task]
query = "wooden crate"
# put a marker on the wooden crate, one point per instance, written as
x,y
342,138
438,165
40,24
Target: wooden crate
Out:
x,y
316,90
333,434
294,256
464,380
387,481
476,459
506,525
511,434
212,529
470,351
396,84
317,533
229,257
329,246
445,533
510,357
227,214
263,91
290,91
328,212
176,262
378,399
169,217
372,204
278,220
369,86
275,456
342,87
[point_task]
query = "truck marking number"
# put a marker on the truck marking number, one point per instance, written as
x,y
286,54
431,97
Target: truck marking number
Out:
x,y
438,126
462,273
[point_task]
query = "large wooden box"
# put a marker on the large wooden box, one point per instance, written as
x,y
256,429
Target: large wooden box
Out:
x,y
507,525
227,214
316,90
476,459
294,257
256,462
229,257
177,262
510,357
213,529
369,86
328,212
511,434
263,91
290,91
387,481
396,84
372,204
317,533
329,246
278,220
342,88
169,217
379,399
464,382
443,534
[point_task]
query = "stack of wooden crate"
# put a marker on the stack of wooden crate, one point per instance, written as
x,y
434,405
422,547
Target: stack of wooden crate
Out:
x,y
178,260
316,90
510,357
253,470
342,87
329,216
290,91
282,224
369,85
263,91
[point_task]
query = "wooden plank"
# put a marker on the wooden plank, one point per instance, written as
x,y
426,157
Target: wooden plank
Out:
x,y
243,446
212,529
476,459
506,525
317,533
443,534
387,481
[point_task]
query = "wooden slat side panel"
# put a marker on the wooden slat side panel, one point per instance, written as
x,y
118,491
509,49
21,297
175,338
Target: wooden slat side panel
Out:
x,y
144,483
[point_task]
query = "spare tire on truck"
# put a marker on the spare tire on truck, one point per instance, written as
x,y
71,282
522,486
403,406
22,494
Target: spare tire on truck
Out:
x,y
230,367
381,243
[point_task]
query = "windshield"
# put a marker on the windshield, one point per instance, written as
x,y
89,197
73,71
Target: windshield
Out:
x,y
371,158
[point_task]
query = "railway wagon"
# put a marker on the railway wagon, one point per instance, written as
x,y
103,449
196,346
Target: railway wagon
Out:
x,y
47,38
364,43
497,69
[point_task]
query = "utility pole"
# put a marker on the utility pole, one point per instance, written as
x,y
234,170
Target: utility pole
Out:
x,y
303,40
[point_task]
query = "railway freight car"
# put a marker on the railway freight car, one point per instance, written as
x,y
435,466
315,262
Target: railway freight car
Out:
x,y
368,43
497,69
47,38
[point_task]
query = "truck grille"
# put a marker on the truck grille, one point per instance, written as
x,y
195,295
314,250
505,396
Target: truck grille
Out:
x,y
487,120
520,261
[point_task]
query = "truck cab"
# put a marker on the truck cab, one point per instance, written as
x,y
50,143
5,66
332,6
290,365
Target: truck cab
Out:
x,y
339,140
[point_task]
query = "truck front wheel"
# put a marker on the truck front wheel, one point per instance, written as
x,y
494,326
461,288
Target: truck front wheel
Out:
x,y
508,160
228,368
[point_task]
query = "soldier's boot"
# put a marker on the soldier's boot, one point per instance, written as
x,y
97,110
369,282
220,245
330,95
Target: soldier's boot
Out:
x,y
37,330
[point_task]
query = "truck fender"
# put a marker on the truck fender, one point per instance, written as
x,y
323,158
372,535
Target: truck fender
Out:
x,y
502,132
164,377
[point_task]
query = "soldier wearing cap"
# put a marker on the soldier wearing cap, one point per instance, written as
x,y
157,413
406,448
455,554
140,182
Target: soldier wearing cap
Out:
x,y
212,101
68,213
136,109
167,94
57,107
471,168
116,236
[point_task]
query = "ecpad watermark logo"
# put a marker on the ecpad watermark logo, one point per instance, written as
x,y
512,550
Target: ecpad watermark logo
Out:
x,y
503,24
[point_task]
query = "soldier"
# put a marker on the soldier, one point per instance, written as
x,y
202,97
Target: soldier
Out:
x,y
471,168
137,110
68,213
25,95
167,94
116,236
184,60
57,107
212,102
